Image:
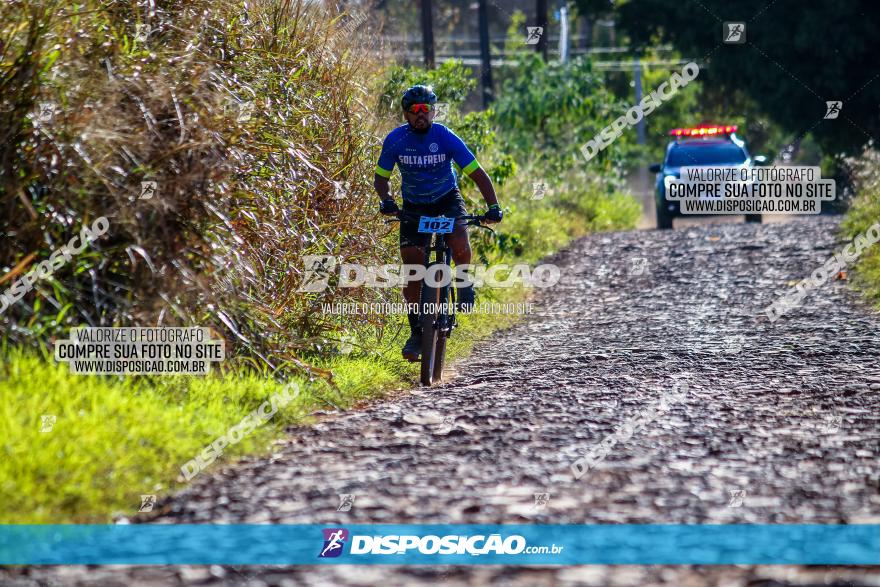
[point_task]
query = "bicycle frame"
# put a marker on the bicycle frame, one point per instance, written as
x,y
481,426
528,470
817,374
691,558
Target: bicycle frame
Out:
x,y
437,304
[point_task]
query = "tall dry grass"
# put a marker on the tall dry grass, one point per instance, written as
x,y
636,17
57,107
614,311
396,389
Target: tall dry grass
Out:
x,y
251,118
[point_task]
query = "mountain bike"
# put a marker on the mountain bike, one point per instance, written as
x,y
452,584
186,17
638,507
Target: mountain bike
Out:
x,y
437,303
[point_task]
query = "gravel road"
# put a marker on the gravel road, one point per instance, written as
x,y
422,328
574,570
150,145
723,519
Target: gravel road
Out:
x,y
781,423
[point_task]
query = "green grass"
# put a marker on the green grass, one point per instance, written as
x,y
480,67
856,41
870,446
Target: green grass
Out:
x,y
115,439
547,228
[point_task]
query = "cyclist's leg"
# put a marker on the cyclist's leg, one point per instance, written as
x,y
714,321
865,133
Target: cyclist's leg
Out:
x,y
412,252
460,245
412,256
412,248
453,207
461,253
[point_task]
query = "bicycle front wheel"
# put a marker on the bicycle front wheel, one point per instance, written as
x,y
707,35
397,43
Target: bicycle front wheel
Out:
x,y
439,355
428,321
445,322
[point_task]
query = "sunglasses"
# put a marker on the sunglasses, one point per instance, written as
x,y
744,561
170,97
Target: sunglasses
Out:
x,y
416,108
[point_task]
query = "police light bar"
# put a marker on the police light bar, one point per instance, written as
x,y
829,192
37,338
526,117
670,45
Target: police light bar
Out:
x,y
702,131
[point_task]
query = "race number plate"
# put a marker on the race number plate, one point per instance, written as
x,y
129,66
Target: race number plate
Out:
x,y
439,225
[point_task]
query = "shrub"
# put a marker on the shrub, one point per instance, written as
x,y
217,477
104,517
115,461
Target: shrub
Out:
x,y
546,111
864,175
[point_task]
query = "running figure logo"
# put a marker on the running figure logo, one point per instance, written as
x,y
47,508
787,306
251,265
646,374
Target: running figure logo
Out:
x,y
832,423
346,500
341,189
334,540
833,107
147,503
534,34
638,266
45,112
541,500
148,190
441,111
47,423
737,496
734,32
539,188
316,274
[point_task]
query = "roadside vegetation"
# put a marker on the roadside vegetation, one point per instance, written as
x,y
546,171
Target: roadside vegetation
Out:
x,y
260,125
863,213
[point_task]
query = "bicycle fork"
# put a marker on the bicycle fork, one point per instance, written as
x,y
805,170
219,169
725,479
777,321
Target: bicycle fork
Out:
x,y
444,317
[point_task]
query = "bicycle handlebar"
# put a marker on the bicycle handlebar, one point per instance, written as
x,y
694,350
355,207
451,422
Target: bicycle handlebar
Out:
x,y
470,219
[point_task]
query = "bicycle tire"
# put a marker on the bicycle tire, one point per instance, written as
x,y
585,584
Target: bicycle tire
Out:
x,y
439,356
448,295
430,295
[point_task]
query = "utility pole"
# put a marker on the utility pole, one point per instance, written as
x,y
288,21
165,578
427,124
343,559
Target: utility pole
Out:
x,y
644,185
428,34
541,21
637,79
563,31
485,55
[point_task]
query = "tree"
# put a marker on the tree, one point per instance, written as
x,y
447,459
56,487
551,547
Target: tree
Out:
x,y
796,56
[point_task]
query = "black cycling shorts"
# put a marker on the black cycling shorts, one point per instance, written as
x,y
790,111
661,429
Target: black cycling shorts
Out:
x,y
451,205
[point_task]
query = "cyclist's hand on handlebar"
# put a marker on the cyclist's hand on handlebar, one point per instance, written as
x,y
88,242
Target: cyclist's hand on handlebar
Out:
x,y
389,207
494,214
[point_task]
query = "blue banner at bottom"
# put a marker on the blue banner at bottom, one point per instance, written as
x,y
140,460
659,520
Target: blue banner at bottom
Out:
x,y
432,544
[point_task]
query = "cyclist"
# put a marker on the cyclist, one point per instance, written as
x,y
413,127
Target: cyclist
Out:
x,y
424,152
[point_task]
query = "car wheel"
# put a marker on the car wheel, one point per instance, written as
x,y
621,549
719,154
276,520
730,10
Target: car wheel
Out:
x,y
664,218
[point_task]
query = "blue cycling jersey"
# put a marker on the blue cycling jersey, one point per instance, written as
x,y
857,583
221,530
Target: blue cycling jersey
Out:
x,y
425,161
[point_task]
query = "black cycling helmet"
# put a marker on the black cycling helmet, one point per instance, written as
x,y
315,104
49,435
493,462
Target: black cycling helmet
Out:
x,y
418,95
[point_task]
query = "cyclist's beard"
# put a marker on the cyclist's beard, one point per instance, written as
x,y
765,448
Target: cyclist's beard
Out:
x,y
424,129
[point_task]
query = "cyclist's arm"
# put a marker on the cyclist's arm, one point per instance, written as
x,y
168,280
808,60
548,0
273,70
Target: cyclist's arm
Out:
x,y
469,165
481,178
384,167
381,184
